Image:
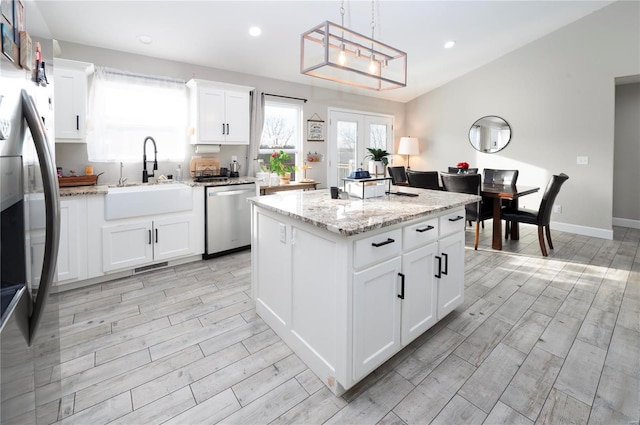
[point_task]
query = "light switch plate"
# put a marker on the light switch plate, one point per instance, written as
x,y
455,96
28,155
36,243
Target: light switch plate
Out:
x,y
582,160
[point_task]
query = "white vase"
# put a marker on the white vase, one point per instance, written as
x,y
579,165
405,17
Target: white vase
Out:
x,y
274,180
376,168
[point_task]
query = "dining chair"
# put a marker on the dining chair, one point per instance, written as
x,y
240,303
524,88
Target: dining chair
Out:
x,y
454,170
398,175
469,183
423,179
497,176
491,175
540,218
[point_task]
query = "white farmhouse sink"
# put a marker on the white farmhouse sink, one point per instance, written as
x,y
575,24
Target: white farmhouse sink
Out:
x,y
145,200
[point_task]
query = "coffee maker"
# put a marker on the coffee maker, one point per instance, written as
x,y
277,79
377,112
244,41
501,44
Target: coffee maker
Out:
x,y
234,167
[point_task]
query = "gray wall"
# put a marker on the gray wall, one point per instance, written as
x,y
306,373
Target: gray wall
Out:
x,y
74,156
626,163
558,94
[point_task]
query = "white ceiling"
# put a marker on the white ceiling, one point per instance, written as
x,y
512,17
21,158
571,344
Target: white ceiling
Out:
x,y
215,33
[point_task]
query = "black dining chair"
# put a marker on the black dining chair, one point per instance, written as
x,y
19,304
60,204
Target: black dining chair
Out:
x,y
491,175
540,218
423,179
454,170
496,176
398,175
469,183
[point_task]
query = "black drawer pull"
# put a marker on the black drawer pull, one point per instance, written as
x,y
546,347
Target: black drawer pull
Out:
x,y
228,130
424,229
222,128
438,275
77,122
401,295
379,244
446,263
149,237
157,237
457,218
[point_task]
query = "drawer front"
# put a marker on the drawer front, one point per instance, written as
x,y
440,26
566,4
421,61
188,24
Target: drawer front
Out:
x,y
452,222
377,248
419,234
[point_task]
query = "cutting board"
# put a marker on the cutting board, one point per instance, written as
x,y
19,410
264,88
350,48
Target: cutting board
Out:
x,y
204,166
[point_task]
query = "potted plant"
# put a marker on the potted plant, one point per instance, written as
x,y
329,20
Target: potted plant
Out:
x,y
278,164
378,160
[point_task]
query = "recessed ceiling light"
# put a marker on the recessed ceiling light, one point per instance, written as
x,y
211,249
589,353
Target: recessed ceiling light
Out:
x,y
449,44
145,39
255,31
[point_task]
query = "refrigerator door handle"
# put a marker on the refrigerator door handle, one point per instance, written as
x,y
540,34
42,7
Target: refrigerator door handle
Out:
x,y
52,210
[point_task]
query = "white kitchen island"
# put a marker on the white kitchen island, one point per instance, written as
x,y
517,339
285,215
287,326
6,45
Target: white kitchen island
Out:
x,y
348,283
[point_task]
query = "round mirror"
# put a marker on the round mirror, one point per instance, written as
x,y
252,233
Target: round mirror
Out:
x,y
490,134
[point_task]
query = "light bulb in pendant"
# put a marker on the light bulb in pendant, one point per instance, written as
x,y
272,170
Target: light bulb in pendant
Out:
x,y
372,66
342,58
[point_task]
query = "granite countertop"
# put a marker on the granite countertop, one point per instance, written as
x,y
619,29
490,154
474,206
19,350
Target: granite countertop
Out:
x,y
352,216
104,189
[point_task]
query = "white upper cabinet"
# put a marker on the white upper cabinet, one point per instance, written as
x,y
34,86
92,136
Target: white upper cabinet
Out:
x,y
219,113
70,97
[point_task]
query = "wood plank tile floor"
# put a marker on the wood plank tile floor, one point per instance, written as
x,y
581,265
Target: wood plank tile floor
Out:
x,y
538,341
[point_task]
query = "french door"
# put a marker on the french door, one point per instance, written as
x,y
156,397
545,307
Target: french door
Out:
x,y
350,134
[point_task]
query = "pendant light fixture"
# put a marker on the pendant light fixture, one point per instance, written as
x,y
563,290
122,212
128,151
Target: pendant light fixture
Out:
x,y
336,53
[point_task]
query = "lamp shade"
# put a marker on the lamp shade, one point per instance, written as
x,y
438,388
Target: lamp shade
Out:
x,y
408,146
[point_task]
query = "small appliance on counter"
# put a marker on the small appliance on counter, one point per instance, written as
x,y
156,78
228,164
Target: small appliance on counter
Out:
x,y
234,167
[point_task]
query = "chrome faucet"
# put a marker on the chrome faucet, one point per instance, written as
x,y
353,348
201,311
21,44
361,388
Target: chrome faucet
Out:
x,y
121,181
145,174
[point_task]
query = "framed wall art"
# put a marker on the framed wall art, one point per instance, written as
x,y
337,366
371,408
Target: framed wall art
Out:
x,y
8,46
315,129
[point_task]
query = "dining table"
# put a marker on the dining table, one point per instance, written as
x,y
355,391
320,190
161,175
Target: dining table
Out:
x,y
498,192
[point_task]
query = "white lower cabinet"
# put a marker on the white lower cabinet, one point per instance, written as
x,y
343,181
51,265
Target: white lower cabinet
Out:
x,y
368,297
141,242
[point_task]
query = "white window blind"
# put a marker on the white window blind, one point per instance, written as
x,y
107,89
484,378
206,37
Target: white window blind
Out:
x,y
124,108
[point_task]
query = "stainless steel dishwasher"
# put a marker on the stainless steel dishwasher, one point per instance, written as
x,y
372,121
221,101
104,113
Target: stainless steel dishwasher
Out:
x,y
228,214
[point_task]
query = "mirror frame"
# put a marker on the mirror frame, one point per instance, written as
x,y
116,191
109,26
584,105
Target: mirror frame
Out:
x,y
492,150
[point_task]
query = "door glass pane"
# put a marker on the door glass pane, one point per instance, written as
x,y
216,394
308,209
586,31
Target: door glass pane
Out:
x,y
378,136
347,144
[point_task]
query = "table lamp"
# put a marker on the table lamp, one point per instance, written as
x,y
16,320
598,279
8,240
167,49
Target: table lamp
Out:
x,y
408,146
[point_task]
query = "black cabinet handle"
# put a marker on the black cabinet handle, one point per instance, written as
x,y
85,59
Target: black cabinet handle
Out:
x,y
457,218
157,237
223,128
149,237
227,129
446,263
77,122
379,244
438,275
401,295
424,229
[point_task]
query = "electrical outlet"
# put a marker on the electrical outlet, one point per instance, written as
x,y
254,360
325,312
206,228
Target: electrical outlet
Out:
x,y
557,209
283,233
582,160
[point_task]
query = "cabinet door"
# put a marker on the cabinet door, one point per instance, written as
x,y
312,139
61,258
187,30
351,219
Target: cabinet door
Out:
x,y
70,100
172,238
68,258
451,281
376,316
237,117
419,303
211,115
126,246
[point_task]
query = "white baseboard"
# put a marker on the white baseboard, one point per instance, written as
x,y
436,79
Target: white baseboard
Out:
x,y
583,230
625,222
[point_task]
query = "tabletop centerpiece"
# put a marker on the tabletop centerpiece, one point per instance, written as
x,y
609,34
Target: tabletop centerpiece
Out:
x,y
463,167
378,161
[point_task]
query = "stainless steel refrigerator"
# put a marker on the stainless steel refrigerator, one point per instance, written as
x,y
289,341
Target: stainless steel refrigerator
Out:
x,y
30,227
